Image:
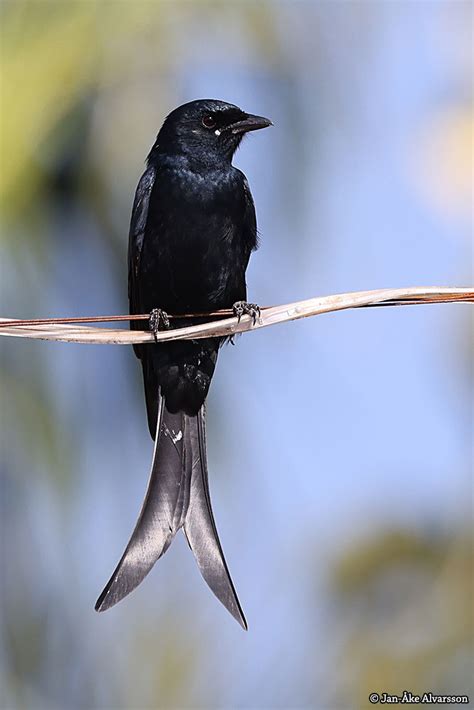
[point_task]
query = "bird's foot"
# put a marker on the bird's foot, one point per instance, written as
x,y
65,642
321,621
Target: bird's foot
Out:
x,y
159,320
241,308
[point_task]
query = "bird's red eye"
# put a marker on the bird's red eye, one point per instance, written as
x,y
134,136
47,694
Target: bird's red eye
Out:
x,y
208,121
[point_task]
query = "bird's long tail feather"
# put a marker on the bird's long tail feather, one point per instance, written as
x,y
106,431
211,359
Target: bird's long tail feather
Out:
x,y
177,496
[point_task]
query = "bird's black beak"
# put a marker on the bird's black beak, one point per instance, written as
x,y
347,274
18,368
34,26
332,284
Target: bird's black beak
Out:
x,y
251,123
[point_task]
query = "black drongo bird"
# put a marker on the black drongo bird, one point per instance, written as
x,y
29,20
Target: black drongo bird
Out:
x,y
192,231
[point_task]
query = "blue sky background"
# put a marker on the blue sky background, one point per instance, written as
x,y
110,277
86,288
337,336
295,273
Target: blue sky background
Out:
x,y
323,434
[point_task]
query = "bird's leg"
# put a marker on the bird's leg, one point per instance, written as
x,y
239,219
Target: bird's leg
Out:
x,y
241,308
158,320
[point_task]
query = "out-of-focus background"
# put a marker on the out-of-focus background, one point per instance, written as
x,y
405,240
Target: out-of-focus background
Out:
x,y
339,447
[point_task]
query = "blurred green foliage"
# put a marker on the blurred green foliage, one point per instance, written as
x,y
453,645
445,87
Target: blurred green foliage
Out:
x,y
406,614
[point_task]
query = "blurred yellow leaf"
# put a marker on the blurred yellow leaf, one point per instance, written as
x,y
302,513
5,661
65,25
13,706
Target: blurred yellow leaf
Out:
x,y
441,161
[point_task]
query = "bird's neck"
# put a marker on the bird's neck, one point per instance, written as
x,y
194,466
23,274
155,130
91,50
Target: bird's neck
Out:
x,y
199,163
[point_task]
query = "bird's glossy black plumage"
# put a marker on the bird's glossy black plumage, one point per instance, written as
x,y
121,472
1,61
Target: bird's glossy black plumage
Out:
x,y
192,231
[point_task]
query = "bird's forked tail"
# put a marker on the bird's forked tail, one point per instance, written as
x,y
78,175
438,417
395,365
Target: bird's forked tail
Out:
x,y
177,497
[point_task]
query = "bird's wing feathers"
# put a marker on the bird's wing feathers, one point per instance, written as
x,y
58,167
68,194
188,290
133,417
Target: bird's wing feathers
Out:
x,y
136,236
250,235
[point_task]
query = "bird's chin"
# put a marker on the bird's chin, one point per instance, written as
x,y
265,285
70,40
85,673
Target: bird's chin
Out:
x,y
235,141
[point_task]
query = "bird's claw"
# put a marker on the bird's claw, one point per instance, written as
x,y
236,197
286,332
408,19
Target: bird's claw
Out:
x,y
159,320
241,308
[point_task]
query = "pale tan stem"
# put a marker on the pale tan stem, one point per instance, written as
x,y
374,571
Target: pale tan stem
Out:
x,y
231,326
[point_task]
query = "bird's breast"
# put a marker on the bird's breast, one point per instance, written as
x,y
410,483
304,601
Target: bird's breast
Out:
x,y
195,252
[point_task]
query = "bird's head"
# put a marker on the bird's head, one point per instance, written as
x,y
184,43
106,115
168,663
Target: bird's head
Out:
x,y
207,131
